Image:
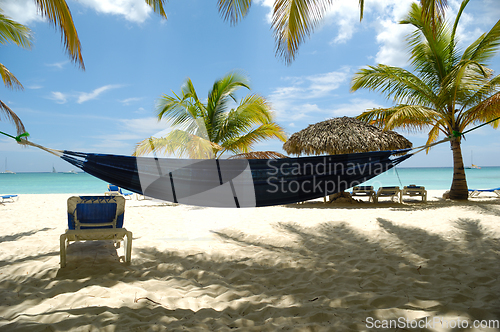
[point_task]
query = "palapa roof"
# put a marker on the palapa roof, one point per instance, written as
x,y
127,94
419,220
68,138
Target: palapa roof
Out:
x,y
343,135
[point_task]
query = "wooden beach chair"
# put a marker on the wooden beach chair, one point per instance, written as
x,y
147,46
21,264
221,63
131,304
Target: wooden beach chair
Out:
x,y
392,192
413,190
364,191
96,218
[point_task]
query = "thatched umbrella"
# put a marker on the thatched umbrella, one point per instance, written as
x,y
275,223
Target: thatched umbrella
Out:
x,y
343,135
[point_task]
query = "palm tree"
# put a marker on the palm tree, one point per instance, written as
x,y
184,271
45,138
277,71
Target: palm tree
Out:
x,y
448,91
207,130
294,20
57,12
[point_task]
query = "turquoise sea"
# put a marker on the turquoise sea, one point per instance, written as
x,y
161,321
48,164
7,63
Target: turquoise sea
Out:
x,y
82,183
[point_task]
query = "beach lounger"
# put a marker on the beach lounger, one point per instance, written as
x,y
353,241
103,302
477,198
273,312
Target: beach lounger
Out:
x,y
8,198
364,191
115,190
388,192
477,192
96,218
413,190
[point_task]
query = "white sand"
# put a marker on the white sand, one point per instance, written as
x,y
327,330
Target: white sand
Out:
x,y
311,267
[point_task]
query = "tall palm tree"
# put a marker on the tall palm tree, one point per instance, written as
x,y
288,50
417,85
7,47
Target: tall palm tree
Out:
x,y
208,129
447,92
294,20
57,12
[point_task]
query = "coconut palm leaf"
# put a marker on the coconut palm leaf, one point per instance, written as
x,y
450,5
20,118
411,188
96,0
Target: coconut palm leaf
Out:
x,y
157,6
180,144
58,13
234,10
14,32
12,117
259,155
398,83
485,47
9,79
244,143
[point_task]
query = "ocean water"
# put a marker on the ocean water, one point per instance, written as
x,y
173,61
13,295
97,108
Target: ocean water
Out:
x,y
83,183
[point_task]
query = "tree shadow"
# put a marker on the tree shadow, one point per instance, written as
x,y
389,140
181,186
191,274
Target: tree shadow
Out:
x,y
328,277
18,236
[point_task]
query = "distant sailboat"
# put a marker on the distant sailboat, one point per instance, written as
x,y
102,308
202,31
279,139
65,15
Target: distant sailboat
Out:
x,y
53,169
472,163
6,170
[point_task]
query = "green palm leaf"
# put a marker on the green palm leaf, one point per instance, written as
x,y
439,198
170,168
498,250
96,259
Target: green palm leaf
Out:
x,y
13,32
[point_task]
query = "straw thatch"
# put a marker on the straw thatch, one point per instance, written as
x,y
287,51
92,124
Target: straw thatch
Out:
x,y
259,155
343,135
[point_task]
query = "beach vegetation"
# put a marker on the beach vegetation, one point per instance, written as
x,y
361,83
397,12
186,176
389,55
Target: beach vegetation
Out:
x,y
449,89
208,129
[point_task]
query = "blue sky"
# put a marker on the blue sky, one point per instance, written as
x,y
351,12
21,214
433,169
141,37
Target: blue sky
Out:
x,y
132,57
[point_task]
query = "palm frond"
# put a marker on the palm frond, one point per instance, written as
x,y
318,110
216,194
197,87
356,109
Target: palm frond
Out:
x,y
483,112
400,84
180,144
157,6
433,11
432,136
9,79
485,47
244,143
259,155
253,110
9,115
12,31
58,13
234,10
408,117
293,21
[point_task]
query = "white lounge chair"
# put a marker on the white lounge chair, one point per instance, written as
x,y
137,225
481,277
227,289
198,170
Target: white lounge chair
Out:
x,y
8,198
364,191
388,192
96,218
477,192
413,190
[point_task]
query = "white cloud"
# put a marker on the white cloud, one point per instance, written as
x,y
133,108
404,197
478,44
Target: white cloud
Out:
x,y
292,102
128,101
58,97
132,10
58,65
392,37
354,108
143,127
86,96
22,11
25,11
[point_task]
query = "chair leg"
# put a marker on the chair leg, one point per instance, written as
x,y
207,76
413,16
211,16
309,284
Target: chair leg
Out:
x,y
128,246
63,250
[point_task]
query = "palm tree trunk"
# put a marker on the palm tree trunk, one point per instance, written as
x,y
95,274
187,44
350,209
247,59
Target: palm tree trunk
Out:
x,y
458,189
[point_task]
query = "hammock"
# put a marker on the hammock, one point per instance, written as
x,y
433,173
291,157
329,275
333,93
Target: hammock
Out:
x,y
235,182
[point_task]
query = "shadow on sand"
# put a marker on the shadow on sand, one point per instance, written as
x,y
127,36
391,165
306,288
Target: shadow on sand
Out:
x,y
330,278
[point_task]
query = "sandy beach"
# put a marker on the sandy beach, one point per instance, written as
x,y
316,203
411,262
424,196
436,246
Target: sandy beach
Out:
x,y
310,267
